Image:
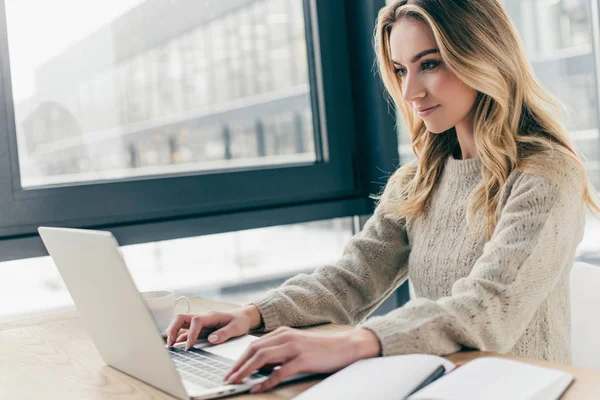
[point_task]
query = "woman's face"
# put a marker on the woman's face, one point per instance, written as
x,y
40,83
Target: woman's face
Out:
x,y
435,93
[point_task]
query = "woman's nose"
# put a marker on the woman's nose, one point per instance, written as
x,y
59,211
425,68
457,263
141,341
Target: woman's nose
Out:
x,y
412,88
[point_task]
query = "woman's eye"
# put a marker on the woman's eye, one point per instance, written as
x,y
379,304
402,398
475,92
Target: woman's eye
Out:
x,y
425,66
429,65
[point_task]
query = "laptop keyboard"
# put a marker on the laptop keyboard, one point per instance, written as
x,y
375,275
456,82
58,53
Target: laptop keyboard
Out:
x,y
201,367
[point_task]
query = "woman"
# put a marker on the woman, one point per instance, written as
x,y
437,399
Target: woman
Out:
x,y
485,222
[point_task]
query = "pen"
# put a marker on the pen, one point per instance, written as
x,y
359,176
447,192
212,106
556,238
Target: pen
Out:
x,y
438,373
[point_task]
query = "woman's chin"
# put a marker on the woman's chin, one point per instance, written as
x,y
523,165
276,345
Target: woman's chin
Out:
x,y
435,129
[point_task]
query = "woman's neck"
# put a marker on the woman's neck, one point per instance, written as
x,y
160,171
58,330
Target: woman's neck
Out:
x,y
465,133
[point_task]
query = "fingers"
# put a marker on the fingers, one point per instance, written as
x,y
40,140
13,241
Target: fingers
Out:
x,y
223,334
209,320
288,369
272,339
263,342
194,331
236,327
277,332
182,338
270,355
181,321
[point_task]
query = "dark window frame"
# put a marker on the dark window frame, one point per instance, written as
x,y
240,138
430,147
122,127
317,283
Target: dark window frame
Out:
x,y
359,143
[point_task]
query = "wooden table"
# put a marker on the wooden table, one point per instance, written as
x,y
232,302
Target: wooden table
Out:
x,y
52,356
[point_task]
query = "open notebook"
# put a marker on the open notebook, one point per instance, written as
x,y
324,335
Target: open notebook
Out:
x,y
396,377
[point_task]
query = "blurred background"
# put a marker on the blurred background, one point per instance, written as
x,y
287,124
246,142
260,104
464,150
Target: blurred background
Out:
x,y
131,89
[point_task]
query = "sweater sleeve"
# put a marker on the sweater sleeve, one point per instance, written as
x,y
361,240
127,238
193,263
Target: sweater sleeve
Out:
x,y
532,246
373,264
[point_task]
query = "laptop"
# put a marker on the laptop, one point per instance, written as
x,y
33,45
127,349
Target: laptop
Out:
x,y
123,329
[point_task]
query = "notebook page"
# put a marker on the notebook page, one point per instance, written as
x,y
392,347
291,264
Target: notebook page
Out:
x,y
380,378
494,378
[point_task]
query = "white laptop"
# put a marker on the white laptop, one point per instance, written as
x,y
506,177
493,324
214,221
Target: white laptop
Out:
x,y
123,328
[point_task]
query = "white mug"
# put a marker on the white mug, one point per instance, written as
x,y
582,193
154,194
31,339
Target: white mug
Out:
x,y
162,306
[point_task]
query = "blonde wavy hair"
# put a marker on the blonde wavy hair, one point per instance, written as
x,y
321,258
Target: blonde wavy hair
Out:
x,y
514,115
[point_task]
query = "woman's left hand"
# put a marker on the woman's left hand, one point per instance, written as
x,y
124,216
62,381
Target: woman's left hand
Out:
x,y
299,351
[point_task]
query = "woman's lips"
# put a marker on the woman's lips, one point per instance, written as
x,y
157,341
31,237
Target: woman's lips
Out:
x,y
428,111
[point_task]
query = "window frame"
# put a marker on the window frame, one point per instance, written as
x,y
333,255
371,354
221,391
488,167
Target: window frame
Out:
x,y
346,101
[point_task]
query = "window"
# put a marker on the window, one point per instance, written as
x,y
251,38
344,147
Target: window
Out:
x,y
229,115
108,138
234,266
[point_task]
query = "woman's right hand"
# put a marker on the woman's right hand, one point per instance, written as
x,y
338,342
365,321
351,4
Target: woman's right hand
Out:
x,y
218,326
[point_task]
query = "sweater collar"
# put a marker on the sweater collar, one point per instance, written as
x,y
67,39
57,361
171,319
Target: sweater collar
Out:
x,y
471,166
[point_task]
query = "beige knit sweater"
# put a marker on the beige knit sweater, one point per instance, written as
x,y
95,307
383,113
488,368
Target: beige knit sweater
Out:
x,y
508,295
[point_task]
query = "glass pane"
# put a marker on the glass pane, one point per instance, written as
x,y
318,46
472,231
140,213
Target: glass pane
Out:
x,y
404,144
558,39
112,90
234,266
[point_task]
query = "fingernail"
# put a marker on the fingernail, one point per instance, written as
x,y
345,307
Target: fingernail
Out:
x,y
187,346
169,341
213,338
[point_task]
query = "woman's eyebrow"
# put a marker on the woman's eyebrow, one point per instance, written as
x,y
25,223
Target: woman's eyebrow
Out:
x,y
421,54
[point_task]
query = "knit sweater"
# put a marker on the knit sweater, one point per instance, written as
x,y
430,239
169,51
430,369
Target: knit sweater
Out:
x,y
508,294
